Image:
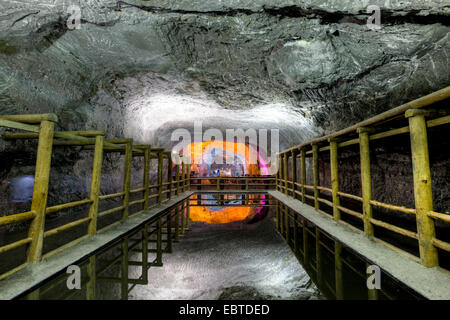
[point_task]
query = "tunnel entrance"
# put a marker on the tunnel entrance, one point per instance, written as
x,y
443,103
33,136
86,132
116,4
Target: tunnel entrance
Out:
x,y
228,161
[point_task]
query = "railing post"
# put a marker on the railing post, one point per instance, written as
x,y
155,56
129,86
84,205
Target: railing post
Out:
x,y
338,271
160,178
169,232
335,178
366,181
305,243
278,175
127,178
169,175
92,283
145,263
189,176
183,215
315,149
287,225
159,248
294,173
177,178
303,164
177,223
188,214
423,195
281,219
372,294
146,176
95,184
285,173
124,269
295,233
319,263
278,215
40,191
183,177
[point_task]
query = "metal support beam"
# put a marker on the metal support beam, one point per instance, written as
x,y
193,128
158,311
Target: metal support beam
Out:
x,y
315,149
124,270
303,168
127,179
366,180
40,191
318,259
287,225
170,176
335,179
338,271
160,177
305,243
92,283
285,173
423,194
95,184
294,172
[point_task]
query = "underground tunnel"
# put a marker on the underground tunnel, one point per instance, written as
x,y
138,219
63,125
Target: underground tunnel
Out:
x,y
224,150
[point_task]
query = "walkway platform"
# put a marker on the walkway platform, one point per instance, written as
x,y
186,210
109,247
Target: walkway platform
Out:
x,y
432,283
33,275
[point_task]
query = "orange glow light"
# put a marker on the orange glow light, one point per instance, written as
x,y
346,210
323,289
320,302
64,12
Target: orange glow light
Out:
x,y
201,150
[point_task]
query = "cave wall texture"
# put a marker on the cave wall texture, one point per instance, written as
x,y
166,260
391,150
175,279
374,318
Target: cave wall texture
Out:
x,y
142,68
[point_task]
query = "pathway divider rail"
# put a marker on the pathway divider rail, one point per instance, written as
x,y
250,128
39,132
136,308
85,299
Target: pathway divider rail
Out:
x,y
418,117
414,118
42,128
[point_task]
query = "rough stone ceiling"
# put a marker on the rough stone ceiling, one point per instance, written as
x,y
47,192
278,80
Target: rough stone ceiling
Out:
x,y
306,67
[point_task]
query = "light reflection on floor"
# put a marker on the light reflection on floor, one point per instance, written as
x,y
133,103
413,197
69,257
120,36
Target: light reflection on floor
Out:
x,y
225,214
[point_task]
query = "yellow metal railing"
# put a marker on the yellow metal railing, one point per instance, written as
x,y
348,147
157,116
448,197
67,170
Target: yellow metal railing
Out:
x,y
419,118
41,127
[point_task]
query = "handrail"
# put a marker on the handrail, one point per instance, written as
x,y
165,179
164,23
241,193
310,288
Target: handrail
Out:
x,y
90,140
64,206
221,183
163,190
16,218
399,111
419,118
